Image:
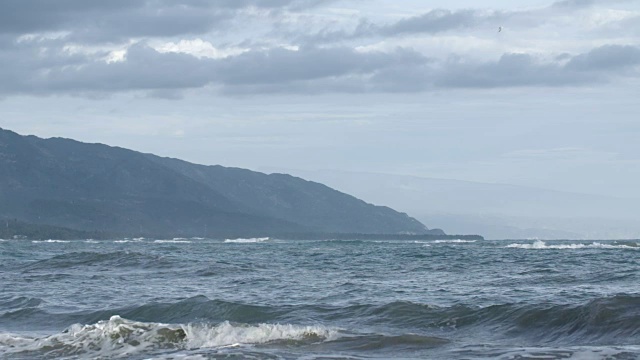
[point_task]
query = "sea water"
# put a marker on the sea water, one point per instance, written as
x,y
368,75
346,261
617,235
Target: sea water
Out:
x,y
270,299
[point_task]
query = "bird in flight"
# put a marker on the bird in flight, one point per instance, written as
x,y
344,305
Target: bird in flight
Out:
x,y
499,28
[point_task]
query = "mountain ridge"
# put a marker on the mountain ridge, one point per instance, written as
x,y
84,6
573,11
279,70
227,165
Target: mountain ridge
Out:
x,y
97,187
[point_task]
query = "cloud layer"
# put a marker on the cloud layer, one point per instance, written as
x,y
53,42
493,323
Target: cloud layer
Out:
x,y
84,47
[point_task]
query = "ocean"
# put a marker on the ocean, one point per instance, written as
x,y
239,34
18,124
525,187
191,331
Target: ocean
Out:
x,y
275,299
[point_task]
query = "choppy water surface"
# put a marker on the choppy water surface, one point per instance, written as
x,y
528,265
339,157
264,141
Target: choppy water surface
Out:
x,y
271,299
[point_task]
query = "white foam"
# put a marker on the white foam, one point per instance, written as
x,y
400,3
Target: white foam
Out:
x,y
174,241
115,337
541,245
50,241
250,240
118,337
127,240
91,241
455,241
227,334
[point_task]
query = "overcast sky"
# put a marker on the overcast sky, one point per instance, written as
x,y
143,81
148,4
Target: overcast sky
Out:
x,y
430,89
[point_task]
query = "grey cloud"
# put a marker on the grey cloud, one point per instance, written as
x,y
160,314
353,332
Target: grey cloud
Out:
x,y
439,20
573,3
147,69
281,65
42,68
431,22
23,66
118,20
511,70
443,20
609,57
144,69
26,16
577,4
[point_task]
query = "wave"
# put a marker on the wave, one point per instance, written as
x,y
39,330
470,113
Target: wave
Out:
x,y
118,337
565,352
377,342
50,241
20,302
604,321
228,334
173,241
90,258
607,320
124,241
455,241
244,241
541,245
198,308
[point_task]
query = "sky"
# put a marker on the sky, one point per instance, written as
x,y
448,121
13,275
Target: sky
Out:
x,y
532,93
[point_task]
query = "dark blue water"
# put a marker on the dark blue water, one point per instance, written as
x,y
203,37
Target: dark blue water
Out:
x,y
271,299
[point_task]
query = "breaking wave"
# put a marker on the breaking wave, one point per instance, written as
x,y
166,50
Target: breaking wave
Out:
x,y
456,241
173,241
250,240
50,241
541,245
118,337
198,323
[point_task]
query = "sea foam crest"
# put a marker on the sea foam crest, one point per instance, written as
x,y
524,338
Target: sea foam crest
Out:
x,y
455,241
126,241
50,241
118,337
541,245
228,334
173,241
115,337
250,240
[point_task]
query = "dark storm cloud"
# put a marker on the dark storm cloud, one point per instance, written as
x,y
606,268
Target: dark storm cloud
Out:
x,y
118,20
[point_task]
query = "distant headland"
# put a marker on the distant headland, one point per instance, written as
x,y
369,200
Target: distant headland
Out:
x,y
62,188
